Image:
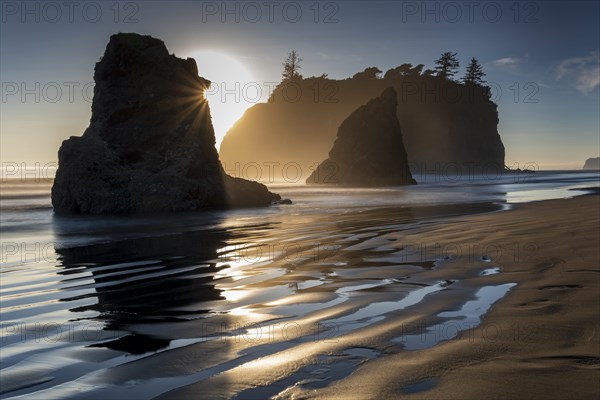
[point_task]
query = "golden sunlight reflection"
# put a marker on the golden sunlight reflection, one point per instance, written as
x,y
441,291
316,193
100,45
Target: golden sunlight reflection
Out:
x,y
237,259
272,361
243,312
237,269
232,91
235,294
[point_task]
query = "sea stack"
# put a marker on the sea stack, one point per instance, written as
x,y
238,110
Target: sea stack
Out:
x,y
592,164
368,150
445,124
150,145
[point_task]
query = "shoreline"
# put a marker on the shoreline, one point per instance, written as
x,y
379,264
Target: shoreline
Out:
x,y
512,281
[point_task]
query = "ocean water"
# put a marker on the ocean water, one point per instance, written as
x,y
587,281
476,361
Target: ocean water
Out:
x,y
243,303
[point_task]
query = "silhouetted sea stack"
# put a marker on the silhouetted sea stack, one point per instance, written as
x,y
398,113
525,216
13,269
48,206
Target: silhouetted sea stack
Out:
x,y
592,163
150,145
447,127
368,150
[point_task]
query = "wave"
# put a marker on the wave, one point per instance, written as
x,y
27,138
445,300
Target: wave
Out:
x,y
25,207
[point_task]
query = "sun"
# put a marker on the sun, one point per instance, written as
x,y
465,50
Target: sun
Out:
x,y
233,89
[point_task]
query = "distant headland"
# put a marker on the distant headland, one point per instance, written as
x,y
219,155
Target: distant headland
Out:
x,y
592,163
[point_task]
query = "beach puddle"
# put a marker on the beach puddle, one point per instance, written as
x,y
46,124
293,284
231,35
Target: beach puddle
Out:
x,y
374,312
328,369
468,317
490,271
347,290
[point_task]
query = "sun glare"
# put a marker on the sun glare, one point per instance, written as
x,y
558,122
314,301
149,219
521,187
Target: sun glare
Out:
x,y
233,89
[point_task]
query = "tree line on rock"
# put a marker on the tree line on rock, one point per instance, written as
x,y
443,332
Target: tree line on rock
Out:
x,y
446,67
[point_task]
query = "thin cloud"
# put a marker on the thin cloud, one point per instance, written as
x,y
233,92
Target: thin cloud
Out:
x,y
506,62
583,71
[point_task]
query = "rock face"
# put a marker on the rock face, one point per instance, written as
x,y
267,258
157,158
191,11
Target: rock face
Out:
x,y
150,145
368,150
592,163
446,126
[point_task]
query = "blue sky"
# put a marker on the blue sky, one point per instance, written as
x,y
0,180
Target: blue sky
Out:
x,y
542,58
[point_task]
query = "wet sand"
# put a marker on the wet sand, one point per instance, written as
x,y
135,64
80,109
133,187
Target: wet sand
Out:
x,y
313,300
540,341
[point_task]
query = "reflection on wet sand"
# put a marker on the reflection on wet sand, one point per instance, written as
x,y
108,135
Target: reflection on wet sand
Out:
x,y
240,308
147,280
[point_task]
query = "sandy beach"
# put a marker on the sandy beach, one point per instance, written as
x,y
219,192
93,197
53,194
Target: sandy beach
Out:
x,y
543,334
541,341
325,298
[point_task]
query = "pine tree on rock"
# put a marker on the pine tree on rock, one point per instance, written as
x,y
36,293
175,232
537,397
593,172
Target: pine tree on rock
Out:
x,y
474,73
447,65
291,65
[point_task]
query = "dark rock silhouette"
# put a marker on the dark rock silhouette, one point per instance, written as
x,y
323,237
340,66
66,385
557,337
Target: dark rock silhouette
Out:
x,y
368,150
150,145
592,163
446,126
